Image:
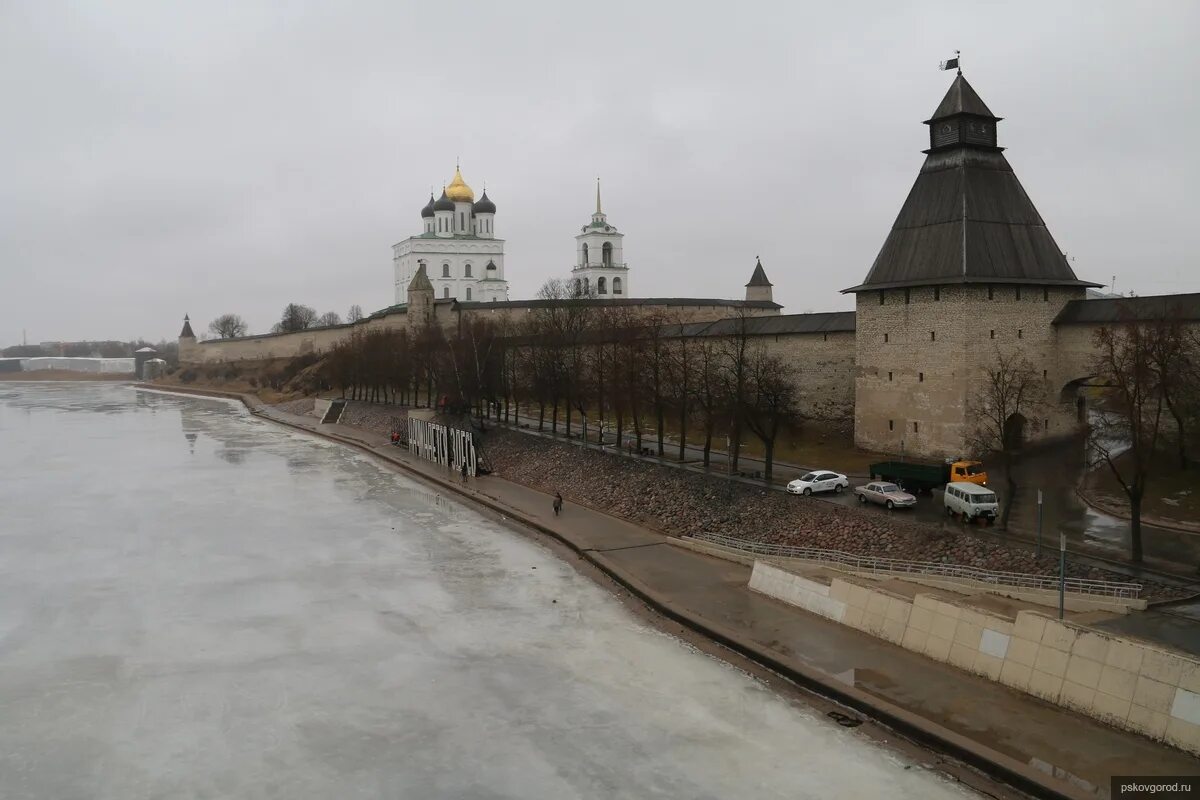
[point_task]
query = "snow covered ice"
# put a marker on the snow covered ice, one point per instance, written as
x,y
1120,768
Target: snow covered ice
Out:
x,y
198,603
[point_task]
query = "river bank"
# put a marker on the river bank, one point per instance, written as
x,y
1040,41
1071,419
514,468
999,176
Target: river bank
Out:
x,y
988,727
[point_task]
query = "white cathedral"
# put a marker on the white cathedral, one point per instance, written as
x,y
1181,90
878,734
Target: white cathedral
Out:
x,y
465,261
458,248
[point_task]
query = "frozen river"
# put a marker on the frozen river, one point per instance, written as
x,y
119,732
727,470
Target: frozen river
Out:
x,y
197,603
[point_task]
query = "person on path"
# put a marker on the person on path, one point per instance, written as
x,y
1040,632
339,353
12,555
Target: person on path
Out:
x,y
558,503
464,472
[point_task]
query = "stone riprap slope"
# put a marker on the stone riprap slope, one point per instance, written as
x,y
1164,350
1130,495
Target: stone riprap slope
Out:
x,y
374,417
680,502
303,405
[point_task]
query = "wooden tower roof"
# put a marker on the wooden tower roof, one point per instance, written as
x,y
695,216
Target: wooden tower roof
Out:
x,y
967,219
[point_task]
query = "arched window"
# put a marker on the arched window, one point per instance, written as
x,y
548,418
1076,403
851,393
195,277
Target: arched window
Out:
x,y
468,292
601,286
446,292
616,285
606,254
587,286
585,254
462,221
467,271
445,270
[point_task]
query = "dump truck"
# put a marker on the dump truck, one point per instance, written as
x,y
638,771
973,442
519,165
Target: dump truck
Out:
x,y
919,476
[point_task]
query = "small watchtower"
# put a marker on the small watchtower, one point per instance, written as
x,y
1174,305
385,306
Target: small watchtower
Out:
x,y
188,351
759,288
420,300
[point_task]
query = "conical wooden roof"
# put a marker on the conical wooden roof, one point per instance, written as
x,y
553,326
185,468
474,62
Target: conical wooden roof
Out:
x,y
967,219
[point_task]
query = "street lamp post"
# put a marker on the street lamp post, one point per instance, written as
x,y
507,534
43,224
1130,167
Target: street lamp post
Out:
x,y
1039,528
1062,572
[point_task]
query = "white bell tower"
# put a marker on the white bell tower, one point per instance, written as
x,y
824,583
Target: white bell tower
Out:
x,y
600,270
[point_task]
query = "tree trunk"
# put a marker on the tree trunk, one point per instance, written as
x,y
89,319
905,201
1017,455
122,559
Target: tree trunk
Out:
x,y
541,415
769,458
1011,482
1135,526
708,434
554,417
660,419
683,419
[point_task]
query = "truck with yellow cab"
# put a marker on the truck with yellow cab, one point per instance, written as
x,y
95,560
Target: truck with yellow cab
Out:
x,y
918,476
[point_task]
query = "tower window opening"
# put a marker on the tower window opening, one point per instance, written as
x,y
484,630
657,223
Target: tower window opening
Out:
x,y
993,336
601,286
462,221
889,376
606,254
467,271
585,254
446,292
468,292
616,285
891,424
916,429
933,336
445,270
1019,333
885,338
1044,374
920,377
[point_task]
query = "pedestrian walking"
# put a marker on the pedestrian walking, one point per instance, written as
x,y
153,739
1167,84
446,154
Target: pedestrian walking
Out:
x,y
557,503
464,472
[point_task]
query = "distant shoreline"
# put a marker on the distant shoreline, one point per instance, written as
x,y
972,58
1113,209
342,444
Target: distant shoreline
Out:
x,y
42,375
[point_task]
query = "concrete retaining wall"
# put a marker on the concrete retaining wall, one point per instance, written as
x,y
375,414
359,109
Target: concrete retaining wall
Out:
x,y
1124,682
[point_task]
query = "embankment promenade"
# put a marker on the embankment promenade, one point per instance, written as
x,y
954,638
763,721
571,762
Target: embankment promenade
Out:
x,y
977,725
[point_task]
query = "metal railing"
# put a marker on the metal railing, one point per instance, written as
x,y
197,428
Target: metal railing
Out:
x,y
891,566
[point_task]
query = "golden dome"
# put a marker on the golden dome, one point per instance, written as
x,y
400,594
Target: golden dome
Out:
x,y
458,191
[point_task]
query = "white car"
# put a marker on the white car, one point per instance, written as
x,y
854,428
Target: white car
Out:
x,y
819,481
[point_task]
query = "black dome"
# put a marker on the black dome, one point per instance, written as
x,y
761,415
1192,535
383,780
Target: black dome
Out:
x,y
443,203
427,211
484,205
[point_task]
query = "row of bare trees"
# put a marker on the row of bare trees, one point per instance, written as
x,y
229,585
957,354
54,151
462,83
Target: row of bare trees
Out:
x,y
607,373
295,317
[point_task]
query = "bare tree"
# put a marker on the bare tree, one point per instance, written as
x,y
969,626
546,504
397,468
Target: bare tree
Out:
x,y
296,317
736,374
1174,353
328,318
1126,432
773,401
1009,393
355,313
228,326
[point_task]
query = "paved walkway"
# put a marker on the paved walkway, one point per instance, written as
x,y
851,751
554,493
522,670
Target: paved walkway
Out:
x,y
1028,739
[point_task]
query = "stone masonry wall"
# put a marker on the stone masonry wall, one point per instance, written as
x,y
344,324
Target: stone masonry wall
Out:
x,y
921,363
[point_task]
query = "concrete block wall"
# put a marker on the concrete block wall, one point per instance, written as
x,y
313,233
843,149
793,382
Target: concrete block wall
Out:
x,y
1124,682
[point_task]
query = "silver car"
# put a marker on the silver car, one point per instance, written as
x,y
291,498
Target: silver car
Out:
x,y
885,494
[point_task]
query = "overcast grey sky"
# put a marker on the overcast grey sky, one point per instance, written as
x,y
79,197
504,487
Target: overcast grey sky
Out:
x,y
162,158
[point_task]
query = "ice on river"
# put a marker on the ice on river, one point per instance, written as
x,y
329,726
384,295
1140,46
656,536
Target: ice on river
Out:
x,y
197,603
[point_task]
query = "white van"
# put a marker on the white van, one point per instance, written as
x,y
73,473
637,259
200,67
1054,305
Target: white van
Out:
x,y
970,501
